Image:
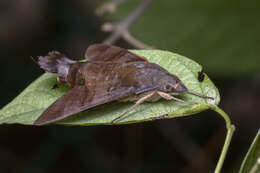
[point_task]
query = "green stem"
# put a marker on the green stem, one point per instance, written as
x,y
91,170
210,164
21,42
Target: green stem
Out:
x,y
230,131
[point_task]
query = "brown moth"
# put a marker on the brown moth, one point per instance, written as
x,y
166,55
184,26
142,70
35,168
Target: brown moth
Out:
x,y
109,74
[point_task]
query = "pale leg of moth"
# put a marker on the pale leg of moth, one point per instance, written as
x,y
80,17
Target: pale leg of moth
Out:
x,y
167,96
141,100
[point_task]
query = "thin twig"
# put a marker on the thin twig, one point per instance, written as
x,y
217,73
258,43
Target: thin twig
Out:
x,y
124,25
109,27
134,42
109,7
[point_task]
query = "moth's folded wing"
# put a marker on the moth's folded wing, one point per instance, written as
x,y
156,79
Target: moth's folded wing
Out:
x,y
110,53
78,99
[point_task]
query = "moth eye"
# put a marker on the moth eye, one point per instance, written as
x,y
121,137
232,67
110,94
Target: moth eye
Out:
x,y
167,87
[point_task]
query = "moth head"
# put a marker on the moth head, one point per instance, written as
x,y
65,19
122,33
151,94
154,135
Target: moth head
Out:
x,y
173,84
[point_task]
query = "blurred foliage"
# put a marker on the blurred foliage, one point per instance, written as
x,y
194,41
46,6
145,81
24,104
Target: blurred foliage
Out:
x,y
223,35
251,162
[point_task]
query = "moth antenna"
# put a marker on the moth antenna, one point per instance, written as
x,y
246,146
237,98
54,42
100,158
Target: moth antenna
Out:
x,y
200,95
33,60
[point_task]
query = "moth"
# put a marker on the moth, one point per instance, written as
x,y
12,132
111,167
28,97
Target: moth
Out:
x,y
109,74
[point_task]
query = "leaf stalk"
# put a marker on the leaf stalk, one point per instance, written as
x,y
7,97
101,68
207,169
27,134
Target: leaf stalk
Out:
x,y
230,130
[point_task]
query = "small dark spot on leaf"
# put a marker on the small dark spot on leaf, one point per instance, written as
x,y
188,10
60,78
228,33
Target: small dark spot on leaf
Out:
x,y
201,76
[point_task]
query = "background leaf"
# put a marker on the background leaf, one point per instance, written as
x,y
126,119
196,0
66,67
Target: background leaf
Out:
x,y
29,105
213,32
251,162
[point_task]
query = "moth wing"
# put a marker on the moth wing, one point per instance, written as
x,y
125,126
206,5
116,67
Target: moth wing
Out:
x,y
110,53
79,99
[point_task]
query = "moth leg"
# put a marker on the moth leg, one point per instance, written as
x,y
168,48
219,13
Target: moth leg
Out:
x,y
55,86
140,101
170,97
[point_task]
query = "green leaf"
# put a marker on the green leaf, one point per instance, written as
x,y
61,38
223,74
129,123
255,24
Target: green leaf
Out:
x,y
251,163
29,105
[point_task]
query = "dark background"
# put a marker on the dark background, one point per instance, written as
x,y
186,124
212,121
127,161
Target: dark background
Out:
x,y
223,36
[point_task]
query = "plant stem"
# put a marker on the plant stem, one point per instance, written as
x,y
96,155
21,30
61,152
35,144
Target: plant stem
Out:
x,y
230,130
